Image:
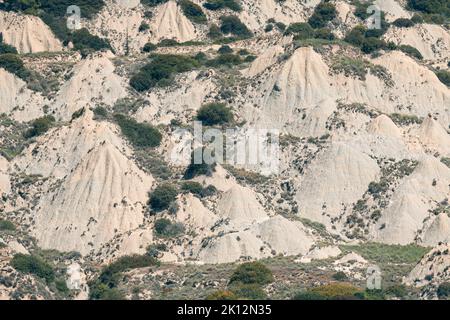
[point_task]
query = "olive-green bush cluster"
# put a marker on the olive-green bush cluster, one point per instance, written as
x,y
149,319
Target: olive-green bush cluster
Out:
x,y
163,196
165,228
40,126
324,12
246,282
215,113
214,5
141,135
193,11
105,286
35,265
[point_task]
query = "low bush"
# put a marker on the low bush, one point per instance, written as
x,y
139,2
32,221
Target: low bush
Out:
x,y
6,48
161,70
6,225
13,64
214,113
324,12
193,11
83,40
444,76
163,196
252,273
191,187
443,291
214,5
403,23
233,25
198,169
153,3
149,47
167,229
411,51
39,126
300,30
35,265
224,60
251,291
139,134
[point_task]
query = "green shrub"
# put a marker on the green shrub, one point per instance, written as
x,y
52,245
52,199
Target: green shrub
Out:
x,y
444,76
163,196
215,113
251,291
411,51
144,26
40,126
214,32
443,290
324,33
6,48
6,225
193,12
252,273
356,36
300,30
148,47
225,49
441,7
214,5
233,25
323,13
33,265
153,3
198,169
403,23
168,229
104,287
340,276
192,187
225,60
161,70
83,40
372,44
100,112
139,134
13,64
446,161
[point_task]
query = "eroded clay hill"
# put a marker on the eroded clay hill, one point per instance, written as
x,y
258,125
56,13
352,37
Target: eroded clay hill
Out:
x,y
89,127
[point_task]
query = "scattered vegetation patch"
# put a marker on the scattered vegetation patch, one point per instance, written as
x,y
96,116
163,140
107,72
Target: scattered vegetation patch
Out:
x,y
233,25
105,286
324,12
6,48
163,196
141,135
252,273
35,265
388,254
446,161
215,5
411,51
193,12
405,119
444,77
359,68
161,71
165,228
6,225
215,113
199,167
40,126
